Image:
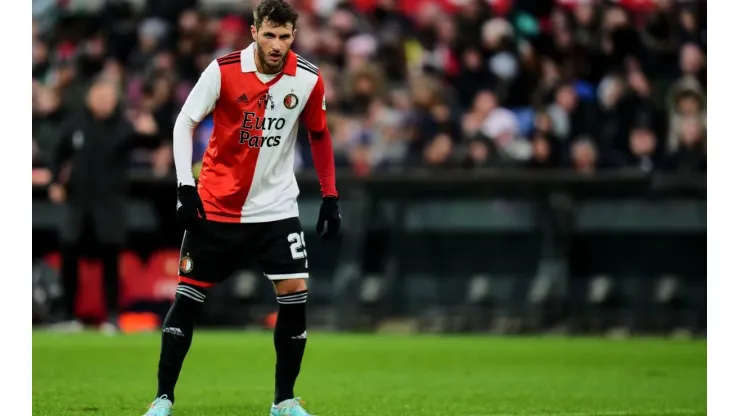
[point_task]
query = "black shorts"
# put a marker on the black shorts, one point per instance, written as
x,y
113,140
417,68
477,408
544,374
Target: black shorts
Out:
x,y
212,251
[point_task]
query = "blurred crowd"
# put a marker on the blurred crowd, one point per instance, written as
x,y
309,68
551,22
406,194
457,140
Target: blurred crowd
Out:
x,y
435,84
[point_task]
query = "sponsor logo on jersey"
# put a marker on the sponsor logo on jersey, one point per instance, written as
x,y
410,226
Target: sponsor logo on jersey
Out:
x,y
255,141
252,122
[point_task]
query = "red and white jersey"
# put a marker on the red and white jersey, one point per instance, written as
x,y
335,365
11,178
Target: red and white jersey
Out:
x,y
247,171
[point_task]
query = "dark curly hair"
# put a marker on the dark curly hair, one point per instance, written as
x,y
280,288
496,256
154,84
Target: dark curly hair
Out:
x,y
277,12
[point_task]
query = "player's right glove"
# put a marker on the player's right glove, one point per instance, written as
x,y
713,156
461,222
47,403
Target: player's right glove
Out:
x,y
189,206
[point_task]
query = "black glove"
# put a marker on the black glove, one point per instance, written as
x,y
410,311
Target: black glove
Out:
x,y
329,218
189,206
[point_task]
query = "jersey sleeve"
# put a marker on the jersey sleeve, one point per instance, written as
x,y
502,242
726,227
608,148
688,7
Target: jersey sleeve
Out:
x,y
202,98
314,112
200,102
313,118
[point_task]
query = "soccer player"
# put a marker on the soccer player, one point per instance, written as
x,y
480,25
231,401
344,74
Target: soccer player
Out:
x,y
245,201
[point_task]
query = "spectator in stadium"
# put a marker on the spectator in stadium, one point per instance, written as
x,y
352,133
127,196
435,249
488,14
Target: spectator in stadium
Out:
x,y
596,68
544,151
429,117
481,153
89,177
562,113
693,64
613,113
691,152
686,101
48,116
584,156
387,148
501,126
361,87
439,152
643,150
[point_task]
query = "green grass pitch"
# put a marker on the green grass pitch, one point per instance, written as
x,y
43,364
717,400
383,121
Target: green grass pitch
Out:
x,y
230,374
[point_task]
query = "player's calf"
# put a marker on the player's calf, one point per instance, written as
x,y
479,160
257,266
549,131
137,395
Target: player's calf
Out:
x,y
177,335
290,335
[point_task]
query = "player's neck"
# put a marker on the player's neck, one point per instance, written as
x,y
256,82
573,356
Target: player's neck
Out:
x,y
261,68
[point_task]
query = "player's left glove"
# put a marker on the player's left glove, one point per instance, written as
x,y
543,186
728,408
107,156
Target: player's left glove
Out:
x,y
329,218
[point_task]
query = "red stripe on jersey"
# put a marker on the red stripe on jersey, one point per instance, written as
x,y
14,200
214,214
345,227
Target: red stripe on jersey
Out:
x,y
231,157
230,55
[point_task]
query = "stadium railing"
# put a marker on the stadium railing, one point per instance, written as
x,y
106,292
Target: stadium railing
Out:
x,y
468,251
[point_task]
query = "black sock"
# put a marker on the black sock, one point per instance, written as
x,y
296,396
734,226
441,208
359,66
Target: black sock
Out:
x,y
177,335
290,342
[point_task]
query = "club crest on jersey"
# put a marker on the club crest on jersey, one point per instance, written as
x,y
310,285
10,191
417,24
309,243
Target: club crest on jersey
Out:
x,y
186,264
290,101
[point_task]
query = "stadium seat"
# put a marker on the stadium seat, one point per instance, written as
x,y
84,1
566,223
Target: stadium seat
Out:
x,y
321,288
246,284
601,290
47,293
161,276
507,296
54,260
371,289
369,297
422,293
673,305
132,274
638,311
474,308
545,298
600,307
90,302
699,304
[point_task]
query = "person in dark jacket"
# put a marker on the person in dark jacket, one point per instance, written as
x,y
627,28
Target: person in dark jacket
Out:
x,y
93,150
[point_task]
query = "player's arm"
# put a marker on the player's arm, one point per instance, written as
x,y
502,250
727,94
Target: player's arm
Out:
x,y
313,118
200,102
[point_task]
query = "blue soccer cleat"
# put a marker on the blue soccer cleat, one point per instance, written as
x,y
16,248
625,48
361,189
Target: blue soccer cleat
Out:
x,y
290,407
161,406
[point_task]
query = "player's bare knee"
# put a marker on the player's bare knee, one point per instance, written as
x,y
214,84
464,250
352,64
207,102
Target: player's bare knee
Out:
x,y
288,286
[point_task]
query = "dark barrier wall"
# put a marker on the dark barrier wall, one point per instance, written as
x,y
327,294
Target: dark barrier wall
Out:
x,y
461,251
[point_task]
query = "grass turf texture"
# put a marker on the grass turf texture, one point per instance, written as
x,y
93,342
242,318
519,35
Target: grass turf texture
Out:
x,y
231,373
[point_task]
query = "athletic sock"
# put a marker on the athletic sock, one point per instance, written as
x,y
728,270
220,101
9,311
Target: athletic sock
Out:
x,y
177,335
290,342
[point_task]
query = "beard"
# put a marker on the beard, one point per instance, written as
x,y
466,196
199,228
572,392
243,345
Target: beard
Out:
x,y
265,62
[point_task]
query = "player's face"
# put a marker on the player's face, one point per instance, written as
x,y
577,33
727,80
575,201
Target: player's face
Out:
x,y
273,44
